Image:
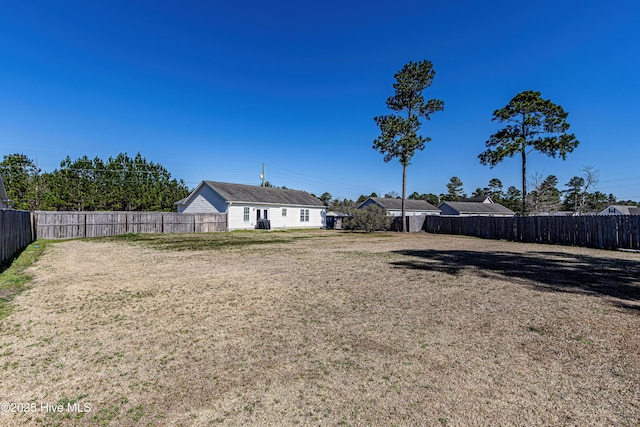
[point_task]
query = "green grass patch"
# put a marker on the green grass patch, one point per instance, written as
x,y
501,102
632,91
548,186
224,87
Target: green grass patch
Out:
x,y
583,340
136,413
14,279
104,416
538,330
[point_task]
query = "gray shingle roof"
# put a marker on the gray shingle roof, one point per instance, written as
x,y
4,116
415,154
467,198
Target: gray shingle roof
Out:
x,y
255,194
410,204
478,208
477,199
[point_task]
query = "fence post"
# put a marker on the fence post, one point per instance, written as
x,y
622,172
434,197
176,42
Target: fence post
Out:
x,y
32,219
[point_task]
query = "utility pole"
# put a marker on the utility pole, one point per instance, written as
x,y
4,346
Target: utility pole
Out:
x,y
262,176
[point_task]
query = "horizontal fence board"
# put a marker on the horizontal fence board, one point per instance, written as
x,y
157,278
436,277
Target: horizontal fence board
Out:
x,y
66,225
178,223
16,232
604,232
59,225
210,223
102,224
144,222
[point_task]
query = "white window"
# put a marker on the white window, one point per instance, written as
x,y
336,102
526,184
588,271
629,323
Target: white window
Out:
x,y
612,210
304,215
246,214
284,211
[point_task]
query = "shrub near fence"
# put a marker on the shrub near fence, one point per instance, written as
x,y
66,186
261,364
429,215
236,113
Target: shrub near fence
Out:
x,y
604,232
65,225
15,233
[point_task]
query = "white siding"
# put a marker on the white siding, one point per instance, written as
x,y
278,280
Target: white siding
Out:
x,y
274,214
205,201
616,210
446,210
235,218
198,204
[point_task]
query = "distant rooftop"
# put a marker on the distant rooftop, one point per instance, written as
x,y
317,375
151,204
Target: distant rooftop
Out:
x,y
478,208
396,204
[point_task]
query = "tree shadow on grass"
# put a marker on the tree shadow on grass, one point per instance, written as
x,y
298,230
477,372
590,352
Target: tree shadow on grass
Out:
x,y
545,271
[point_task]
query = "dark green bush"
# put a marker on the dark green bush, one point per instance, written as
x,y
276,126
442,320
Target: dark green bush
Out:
x,y
370,218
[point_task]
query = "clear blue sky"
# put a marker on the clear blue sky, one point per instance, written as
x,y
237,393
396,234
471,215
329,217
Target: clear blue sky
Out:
x,y
213,89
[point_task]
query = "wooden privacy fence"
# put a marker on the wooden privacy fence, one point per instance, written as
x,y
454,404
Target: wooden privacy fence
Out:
x,y
15,232
65,225
413,223
605,232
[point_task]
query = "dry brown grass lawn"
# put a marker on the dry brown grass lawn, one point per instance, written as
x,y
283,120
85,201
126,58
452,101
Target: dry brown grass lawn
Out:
x,y
326,328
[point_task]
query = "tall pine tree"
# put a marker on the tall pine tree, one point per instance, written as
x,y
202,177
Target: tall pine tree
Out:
x,y
399,132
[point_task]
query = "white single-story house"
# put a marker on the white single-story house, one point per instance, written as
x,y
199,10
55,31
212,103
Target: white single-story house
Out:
x,y
246,204
484,208
621,210
394,206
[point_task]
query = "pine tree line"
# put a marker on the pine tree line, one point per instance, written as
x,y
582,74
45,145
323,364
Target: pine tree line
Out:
x,y
120,183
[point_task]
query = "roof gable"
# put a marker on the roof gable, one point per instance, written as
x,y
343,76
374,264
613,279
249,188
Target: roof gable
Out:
x,y
623,209
238,193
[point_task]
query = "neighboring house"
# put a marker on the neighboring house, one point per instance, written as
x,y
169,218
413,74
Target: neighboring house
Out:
x,y
621,210
246,204
394,206
474,209
4,200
